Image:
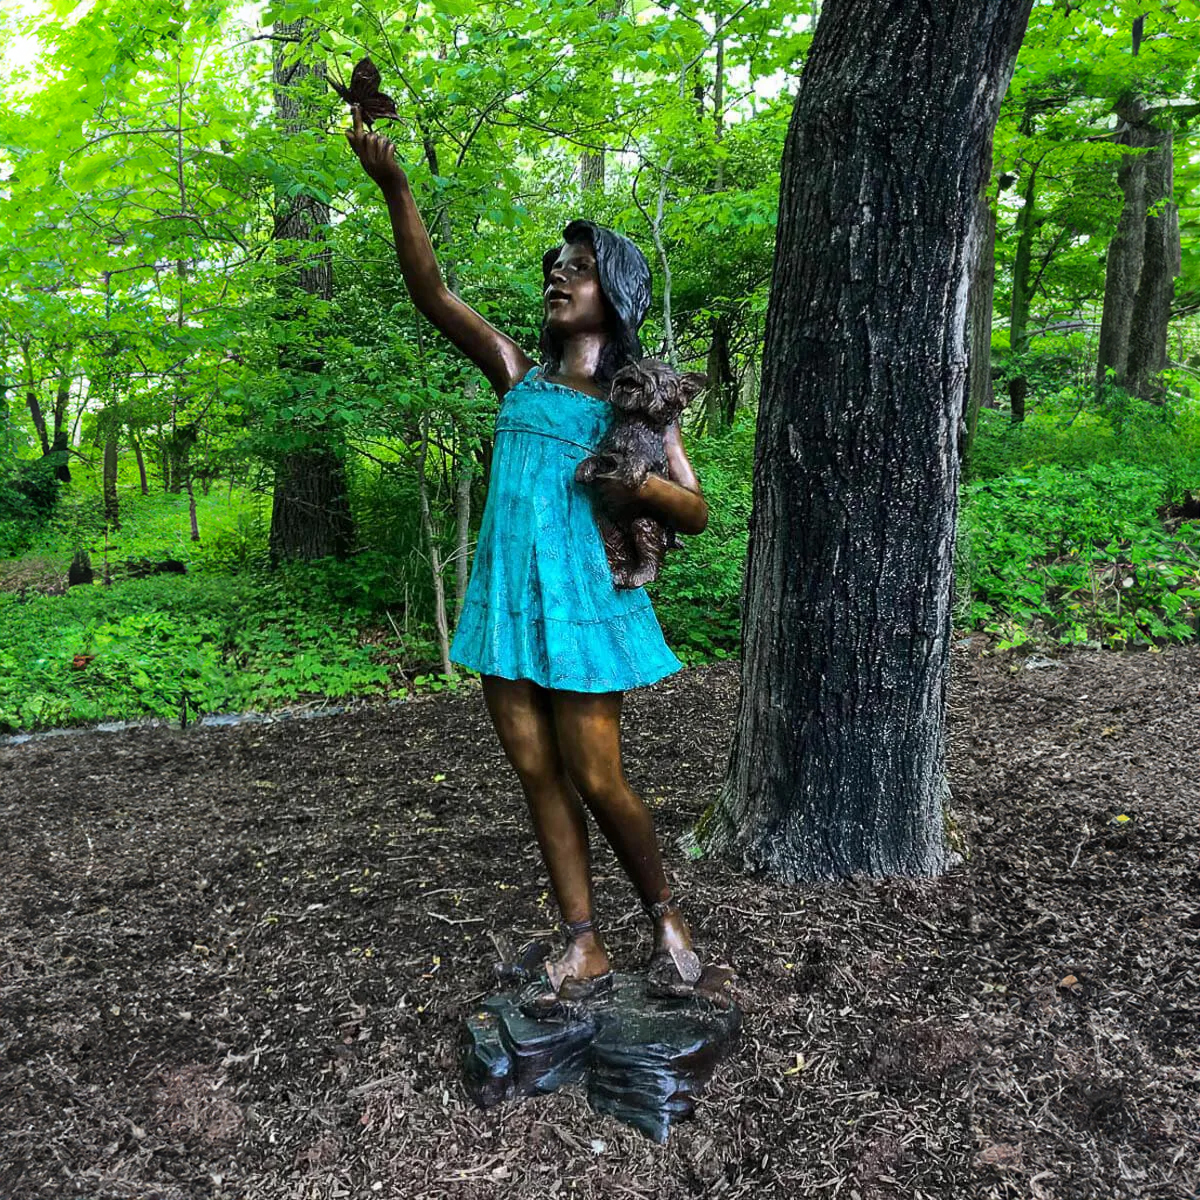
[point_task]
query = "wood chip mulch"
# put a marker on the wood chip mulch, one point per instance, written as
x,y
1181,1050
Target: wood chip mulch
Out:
x,y
234,962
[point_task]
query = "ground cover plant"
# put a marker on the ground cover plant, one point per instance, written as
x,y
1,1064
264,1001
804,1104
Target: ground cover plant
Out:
x,y
1080,524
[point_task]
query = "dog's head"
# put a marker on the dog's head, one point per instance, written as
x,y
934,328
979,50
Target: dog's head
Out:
x,y
655,391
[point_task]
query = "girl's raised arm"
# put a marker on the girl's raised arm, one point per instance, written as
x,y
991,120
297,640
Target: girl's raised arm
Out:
x,y
501,360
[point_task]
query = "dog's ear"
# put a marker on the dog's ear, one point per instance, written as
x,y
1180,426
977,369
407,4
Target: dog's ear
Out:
x,y
691,385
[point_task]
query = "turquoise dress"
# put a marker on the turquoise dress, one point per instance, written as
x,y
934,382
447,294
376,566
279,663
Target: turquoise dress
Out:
x,y
541,603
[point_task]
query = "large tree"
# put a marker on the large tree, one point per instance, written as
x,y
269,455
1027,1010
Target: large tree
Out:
x,y
837,760
310,514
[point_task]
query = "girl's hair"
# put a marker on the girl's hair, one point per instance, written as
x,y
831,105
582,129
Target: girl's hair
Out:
x,y
624,285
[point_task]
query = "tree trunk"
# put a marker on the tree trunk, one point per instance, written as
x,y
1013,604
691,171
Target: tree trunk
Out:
x,y
141,464
1161,262
1018,325
464,466
178,458
60,444
1123,267
979,323
591,172
837,761
112,511
310,513
1018,389
440,623
192,508
31,398
1144,256
720,397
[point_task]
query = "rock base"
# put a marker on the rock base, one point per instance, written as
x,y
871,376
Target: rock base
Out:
x,y
642,1061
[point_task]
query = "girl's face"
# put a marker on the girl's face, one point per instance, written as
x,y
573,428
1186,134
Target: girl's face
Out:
x,y
573,302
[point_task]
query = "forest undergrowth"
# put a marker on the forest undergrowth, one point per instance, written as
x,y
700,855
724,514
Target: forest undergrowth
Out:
x,y
1078,526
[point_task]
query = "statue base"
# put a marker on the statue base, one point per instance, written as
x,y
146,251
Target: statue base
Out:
x,y
642,1060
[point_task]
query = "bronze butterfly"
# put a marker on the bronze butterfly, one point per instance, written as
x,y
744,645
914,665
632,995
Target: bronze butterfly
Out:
x,y
364,91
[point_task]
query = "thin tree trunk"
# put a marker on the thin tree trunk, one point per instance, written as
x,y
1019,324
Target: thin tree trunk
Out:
x,y
440,623
464,465
837,759
1018,325
192,508
979,340
656,222
112,511
591,162
31,399
60,444
720,397
141,464
719,101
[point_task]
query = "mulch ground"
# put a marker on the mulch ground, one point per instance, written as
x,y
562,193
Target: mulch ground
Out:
x,y
234,963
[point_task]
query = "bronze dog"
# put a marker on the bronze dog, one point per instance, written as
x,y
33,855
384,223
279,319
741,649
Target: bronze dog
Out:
x,y
648,395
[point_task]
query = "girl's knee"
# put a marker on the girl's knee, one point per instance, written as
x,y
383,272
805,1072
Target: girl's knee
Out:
x,y
604,791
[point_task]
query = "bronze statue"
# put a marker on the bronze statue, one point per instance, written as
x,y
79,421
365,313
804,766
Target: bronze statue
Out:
x,y
649,396
555,643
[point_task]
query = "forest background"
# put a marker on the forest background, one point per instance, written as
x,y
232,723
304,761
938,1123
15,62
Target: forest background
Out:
x,y
219,409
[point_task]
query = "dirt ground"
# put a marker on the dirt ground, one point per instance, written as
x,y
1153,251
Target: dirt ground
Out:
x,y
234,962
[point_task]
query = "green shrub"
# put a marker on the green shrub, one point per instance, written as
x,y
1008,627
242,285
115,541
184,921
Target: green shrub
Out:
x,y
227,644
27,498
698,596
1068,428
1080,555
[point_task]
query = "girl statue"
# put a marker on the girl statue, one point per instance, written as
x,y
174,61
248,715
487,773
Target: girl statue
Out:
x,y
555,643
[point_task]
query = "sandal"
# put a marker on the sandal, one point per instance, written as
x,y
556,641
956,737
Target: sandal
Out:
x,y
670,974
568,989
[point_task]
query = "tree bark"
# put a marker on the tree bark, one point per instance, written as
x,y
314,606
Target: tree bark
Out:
x,y
310,513
141,464
178,456
31,399
191,491
837,761
591,173
720,397
1161,261
1018,389
464,468
1018,325
979,339
60,444
1144,256
1126,253
112,510
429,534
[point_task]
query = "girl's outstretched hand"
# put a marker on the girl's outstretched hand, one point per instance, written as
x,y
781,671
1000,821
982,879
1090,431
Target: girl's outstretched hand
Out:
x,y
375,152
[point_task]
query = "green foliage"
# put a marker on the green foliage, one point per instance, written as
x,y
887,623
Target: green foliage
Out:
x,y
226,644
27,498
1078,555
698,596
1066,427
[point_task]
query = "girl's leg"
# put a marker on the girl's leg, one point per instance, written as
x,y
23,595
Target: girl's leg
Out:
x,y
524,720
589,738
